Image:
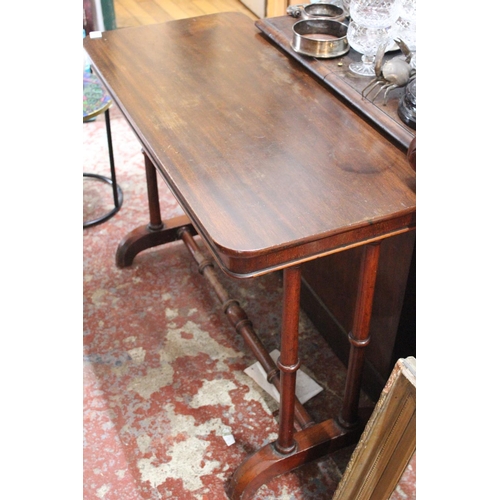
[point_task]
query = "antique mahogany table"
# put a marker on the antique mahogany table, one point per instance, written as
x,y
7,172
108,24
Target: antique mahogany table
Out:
x,y
272,170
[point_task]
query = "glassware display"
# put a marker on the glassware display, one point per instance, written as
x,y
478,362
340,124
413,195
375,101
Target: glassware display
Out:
x,y
405,27
375,13
346,6
366,41
370,27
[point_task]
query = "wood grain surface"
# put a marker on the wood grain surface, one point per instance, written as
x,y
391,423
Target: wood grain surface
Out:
x,y
336,74
270,166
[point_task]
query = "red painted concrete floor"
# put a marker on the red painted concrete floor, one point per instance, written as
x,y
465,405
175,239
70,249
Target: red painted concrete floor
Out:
x,y
163,369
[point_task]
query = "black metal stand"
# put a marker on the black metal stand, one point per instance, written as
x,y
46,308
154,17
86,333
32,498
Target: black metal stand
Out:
x,y
117,192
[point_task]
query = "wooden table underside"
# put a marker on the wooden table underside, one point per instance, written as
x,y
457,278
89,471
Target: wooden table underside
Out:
x,y
271,170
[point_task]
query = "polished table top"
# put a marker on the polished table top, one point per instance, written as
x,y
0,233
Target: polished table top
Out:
x,y
271,168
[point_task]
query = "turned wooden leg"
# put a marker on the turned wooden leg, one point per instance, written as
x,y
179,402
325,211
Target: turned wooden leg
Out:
x,y
293,450
242,324
157,232
155,223
360,335
288,362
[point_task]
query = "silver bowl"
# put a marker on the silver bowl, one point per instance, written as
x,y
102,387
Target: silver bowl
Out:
x,y
321,37
315,10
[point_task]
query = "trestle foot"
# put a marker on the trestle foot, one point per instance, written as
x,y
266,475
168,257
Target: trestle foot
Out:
x,y
144,237
312,443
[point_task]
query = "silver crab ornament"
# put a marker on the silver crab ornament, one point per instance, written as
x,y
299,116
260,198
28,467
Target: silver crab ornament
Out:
x,y
395,73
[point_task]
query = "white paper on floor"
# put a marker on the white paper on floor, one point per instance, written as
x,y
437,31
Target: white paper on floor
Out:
x,y
229,439
305,387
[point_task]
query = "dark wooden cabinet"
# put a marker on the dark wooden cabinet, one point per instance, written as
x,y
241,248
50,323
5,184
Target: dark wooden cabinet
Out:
x,y
329,295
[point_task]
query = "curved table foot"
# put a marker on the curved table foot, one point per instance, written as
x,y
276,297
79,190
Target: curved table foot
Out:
x,y
145,237
312,443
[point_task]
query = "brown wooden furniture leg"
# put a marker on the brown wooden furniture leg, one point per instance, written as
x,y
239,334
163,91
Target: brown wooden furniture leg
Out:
x,y
360,335
157,232
288,362
293,450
